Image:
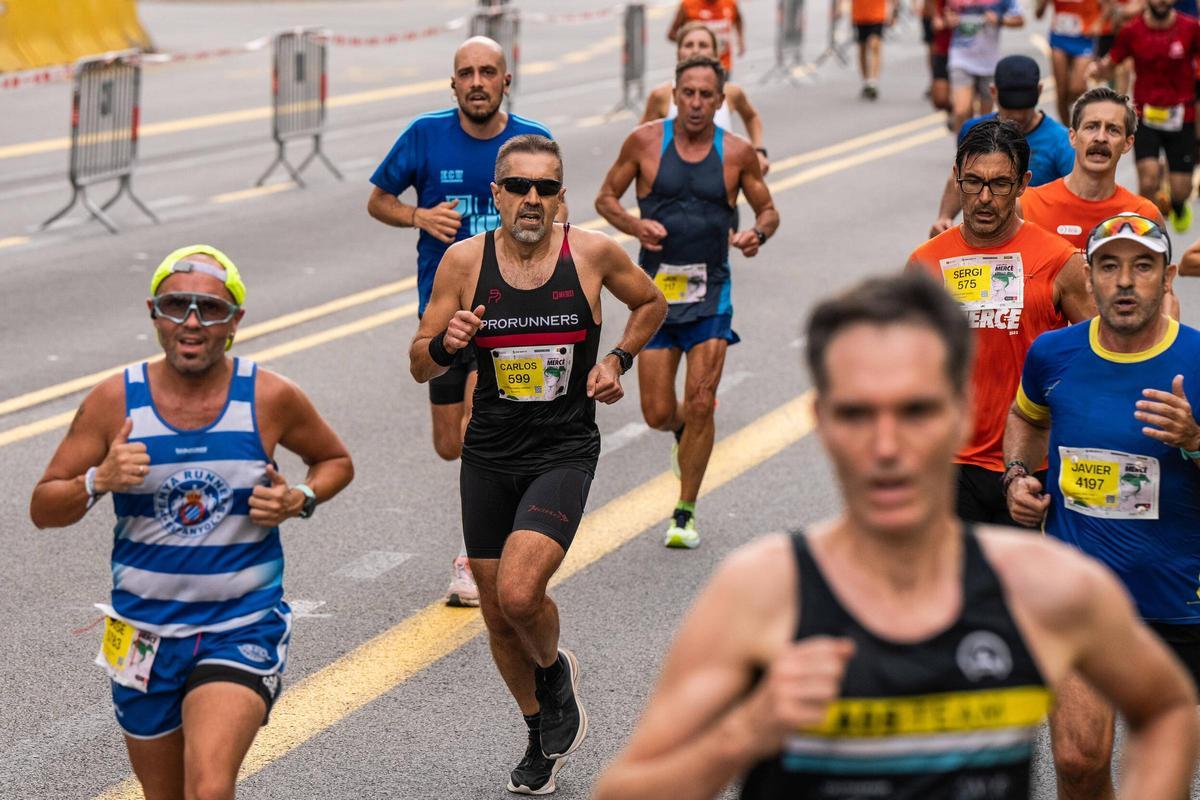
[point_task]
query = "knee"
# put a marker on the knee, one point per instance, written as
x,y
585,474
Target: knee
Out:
x,y
658,415
700,405
520,605
208,785
1082,764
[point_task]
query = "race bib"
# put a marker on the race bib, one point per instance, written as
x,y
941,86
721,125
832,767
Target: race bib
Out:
x,y
537,373
985,281
1108,484
1163,118
127,654
1068,24
682,283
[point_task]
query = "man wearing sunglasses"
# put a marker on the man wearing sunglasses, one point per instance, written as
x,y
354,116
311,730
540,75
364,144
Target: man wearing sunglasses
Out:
x,y
1015,281
196,631
526,299
448,157
1107,401
689,172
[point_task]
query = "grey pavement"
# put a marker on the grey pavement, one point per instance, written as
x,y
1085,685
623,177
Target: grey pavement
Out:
x,y
380,552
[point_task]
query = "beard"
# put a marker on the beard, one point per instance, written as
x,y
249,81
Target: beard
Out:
x,y
525,235
1157,14
483,116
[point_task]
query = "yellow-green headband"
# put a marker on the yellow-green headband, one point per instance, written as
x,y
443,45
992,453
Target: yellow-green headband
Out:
x,y
228,273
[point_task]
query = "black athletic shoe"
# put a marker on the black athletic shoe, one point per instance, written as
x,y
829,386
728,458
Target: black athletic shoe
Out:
x,y
564,722
535,774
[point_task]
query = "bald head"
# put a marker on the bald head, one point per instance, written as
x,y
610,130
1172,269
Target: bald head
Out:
x,y
480,50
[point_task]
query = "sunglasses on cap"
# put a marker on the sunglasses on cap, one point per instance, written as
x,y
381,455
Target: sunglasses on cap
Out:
x,y
1134,224
178,306
546,187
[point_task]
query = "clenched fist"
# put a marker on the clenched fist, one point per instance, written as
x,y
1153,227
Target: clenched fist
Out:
x,y
462,329
271,505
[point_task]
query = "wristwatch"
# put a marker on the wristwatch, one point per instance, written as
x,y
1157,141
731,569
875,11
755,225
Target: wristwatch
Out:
x,y
310,500
1013,470
762,150
1192,455
623,357
762,237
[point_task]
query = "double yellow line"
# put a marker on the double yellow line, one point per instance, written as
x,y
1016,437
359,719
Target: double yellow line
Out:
x,y
919,131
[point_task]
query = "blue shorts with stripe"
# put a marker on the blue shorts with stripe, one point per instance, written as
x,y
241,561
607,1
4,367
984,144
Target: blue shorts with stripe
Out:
x,y
1074,46
686,335
253,655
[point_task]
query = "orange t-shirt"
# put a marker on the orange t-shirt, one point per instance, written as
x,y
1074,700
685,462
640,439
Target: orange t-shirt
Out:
x,y
1008,294
718,16
1059,210
1076,17
869,12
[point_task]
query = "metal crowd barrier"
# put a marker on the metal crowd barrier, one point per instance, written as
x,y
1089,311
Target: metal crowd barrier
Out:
x,y
299,83
633,56
789,40
499,21
105,105
836,47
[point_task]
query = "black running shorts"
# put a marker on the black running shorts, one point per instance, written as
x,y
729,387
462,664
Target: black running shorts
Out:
x,y
927,33
494,504
939,66
1104,43
1178,146
867,31
450,387
981,496
1185,641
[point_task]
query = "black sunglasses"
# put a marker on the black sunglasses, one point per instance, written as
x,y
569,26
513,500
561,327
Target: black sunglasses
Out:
x,y
546,187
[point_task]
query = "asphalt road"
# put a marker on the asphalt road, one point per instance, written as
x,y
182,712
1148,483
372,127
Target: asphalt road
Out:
x,y
391,695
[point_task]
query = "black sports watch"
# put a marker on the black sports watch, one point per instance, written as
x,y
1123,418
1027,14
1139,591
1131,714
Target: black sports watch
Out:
x,y
762,237
310,500
622,356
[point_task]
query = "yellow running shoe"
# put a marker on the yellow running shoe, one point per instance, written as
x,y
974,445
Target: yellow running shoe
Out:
x,y
682,533
1181,222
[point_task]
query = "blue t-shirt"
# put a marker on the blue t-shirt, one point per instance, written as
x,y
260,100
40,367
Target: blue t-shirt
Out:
x,y
445,163
1050,153
1189,7
1118,495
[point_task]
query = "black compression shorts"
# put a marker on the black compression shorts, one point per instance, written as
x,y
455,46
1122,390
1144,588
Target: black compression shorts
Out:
x,y
449,387
494,504
939,66
1104,43
1185,641
1178,146
265,686
867,31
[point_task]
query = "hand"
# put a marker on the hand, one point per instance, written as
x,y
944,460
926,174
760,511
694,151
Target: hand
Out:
x,y
1171,416
441,222
951,18
746,241
1027,503
271,505
1093,70
650,233
604,381
764,163
462,329
799,685
991,18
939,22
125,466
940,226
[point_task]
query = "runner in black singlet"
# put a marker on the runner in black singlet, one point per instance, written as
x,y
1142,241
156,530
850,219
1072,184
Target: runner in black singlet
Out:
x,y
526,299
895,652
689,172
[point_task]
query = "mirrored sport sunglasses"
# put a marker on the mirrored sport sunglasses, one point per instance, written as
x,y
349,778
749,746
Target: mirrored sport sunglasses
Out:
x,y
1137,225
546,187
210,310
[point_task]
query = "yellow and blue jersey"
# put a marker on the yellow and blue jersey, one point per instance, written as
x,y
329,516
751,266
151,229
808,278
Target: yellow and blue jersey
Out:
x,y
1117,494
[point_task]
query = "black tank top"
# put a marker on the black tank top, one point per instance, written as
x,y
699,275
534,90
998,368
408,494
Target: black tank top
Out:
x,y
692,203
535,349
953,717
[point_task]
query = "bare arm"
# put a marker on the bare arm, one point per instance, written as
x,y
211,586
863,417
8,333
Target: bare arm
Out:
x,y
766,218
94,439
1071,294
441,222
623,172
1189,265
630,284
676,24
1026,440
445,302
948,208
750,118
656,105
701,729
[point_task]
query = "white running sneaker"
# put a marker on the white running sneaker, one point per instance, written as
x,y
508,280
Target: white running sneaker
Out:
x,y
462,592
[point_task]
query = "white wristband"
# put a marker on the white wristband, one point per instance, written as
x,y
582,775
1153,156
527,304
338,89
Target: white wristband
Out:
x,y
89,483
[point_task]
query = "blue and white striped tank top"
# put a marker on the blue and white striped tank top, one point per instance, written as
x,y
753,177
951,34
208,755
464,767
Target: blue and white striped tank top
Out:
x,y
186,556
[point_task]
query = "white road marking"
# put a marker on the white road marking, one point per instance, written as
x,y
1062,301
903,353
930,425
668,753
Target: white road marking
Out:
x,y
621,437
305,608
732,380
371,565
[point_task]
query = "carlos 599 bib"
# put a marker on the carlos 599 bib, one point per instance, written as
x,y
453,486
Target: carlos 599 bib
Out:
x,y
538,373
1108,484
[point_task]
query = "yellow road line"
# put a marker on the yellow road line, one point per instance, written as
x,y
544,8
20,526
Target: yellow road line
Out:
x,y
257,191
379,665
13,241
244,335
880,135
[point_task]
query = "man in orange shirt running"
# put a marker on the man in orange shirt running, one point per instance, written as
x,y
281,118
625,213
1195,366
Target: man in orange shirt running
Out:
x,y
722,17
1102,128
1015,281
869,18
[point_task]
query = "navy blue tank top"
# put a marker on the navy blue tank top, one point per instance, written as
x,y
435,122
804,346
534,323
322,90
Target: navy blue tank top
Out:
x,y
692,203
951,717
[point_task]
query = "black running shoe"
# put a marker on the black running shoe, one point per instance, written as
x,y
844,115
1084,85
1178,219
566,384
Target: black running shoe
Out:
x,y
564,722
535,774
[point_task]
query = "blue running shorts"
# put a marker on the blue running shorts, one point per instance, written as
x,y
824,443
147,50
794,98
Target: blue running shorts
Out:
x,y
1074,46
686,335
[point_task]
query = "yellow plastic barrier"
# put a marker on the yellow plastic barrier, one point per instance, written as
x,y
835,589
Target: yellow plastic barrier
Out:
x,y
39,33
